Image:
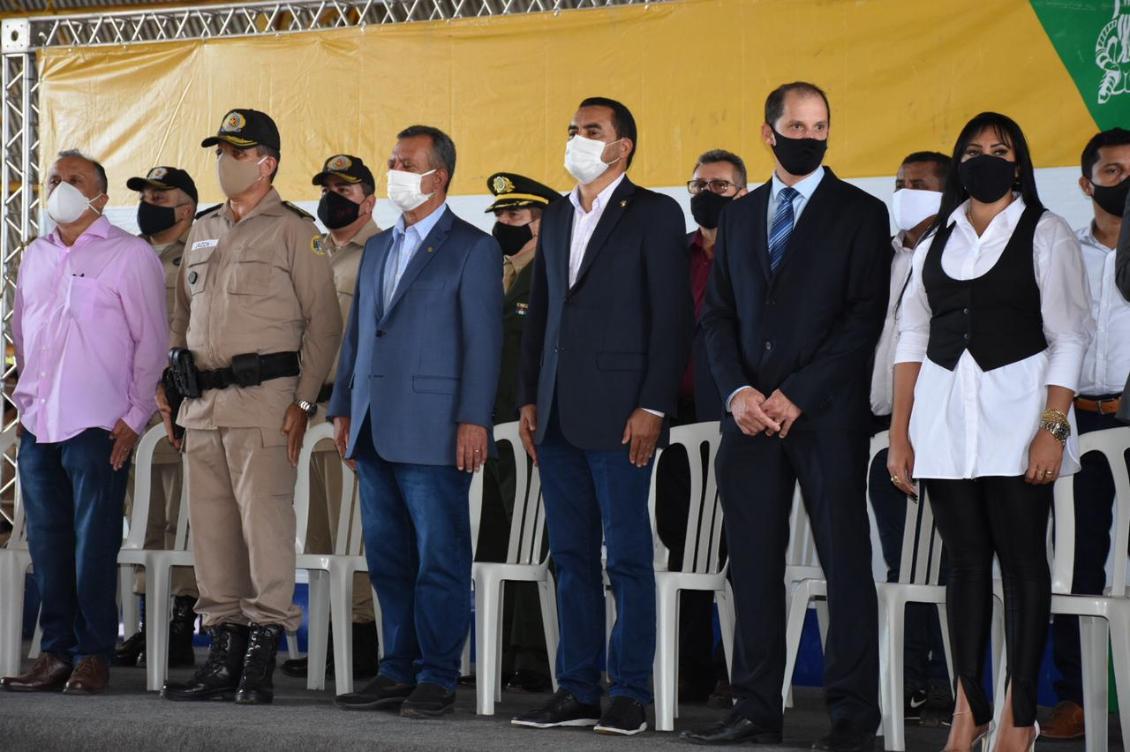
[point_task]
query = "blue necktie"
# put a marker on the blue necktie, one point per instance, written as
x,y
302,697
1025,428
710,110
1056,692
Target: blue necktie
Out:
x,y
392,266
782,227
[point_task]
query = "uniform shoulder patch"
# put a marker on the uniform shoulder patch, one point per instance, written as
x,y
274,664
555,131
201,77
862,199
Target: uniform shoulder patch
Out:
x,y
299,211
318,245
209,210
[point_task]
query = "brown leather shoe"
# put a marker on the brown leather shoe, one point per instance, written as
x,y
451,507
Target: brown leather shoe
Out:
x,y
90,676
1066,722
48,674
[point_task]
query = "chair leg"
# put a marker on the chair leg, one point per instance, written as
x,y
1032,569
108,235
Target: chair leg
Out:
x,y
12,578
131,618
547,595
724,599
1000,691
499,628
666,656
1120,650
380,624
158,577
487,596
36,641
341,610
1094,633
820,605
292,646
317,629
893,626
794,625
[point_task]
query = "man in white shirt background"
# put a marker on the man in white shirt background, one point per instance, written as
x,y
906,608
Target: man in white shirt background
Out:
x,y
1106,180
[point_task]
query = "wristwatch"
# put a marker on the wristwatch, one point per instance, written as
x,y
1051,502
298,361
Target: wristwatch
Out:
x,y
306,407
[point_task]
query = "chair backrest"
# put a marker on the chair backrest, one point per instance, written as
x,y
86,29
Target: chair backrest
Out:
x,y
701,545
1113,443
527,523
801,561
142,486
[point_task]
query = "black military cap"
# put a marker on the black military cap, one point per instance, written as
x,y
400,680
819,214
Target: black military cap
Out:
x,y
163,179
246,128
347,167
514,191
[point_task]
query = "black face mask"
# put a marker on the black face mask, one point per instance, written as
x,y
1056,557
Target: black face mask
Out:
x,y
152,219
511,238
336,211
1111,198
987,178
799,156
707,206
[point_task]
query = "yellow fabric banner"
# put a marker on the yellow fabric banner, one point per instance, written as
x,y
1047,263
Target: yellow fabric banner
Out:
x,y
901,76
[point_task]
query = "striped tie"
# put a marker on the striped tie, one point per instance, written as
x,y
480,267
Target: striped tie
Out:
x,y
782,227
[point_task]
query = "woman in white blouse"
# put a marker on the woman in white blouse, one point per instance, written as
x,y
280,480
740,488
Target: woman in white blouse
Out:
x,y
996,320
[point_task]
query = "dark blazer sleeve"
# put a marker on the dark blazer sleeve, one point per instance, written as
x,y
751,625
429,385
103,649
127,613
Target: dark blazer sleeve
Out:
x,y
1122,256
850,344
720,320
342,396
480,307
670,304
533,335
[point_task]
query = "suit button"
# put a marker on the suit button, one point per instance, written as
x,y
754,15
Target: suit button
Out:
x,y
965,311
768,345
380,332
966,336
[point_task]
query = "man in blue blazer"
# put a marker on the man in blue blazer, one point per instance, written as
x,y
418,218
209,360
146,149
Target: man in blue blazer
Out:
x,y
603,351
412,407
794,307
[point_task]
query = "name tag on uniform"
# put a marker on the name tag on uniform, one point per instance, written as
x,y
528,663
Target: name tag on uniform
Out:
x,y
205,244
521,309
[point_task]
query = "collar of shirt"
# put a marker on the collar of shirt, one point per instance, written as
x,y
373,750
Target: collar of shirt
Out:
x,y
898,242
805,187
1003,223
1086,236
521,259
601,199
368,230
417,232
270,204
99,228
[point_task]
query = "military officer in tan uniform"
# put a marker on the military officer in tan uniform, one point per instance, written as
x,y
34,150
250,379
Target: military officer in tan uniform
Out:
x,y
346,209
255,330
165,212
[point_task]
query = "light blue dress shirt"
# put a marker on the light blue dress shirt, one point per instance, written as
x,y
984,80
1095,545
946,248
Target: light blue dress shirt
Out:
x,y
405,243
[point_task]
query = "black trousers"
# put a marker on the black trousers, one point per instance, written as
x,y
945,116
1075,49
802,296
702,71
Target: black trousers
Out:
x,y
757,476
1007,517
1094,513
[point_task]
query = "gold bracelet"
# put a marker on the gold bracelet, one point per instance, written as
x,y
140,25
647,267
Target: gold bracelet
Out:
x,y
1055,423
1053,416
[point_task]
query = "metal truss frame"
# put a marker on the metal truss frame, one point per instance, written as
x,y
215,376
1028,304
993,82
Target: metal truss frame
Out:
x,y
22,38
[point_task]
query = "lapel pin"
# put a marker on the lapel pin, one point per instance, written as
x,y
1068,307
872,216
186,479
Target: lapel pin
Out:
x,y
430,249
623,203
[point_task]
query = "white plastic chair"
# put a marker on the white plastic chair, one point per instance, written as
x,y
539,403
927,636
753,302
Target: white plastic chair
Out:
x,y
15,560
1101,617
525,562
702,567
919,572
805,586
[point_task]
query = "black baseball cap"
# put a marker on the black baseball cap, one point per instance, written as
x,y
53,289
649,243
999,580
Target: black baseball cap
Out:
x,y
164,179
246,128
347,167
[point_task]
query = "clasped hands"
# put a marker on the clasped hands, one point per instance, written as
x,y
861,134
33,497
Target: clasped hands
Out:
x,y
755,413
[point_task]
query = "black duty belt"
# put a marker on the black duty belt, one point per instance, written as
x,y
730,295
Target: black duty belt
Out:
x,y
250,369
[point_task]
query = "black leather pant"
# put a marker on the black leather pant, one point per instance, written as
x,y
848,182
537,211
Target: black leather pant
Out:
x,y
977,519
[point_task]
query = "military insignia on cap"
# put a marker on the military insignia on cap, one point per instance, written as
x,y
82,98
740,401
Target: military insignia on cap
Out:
x,y
317,246
340,162
157,173
502,184
233,121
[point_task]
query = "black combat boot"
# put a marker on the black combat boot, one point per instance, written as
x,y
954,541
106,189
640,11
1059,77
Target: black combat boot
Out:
x,y
219,677
181,628
131,650
255,686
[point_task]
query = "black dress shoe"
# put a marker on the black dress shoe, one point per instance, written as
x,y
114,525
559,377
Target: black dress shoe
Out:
x,y
128,652
428,701
532,682
624,717
844,738
219,677
381,692
563,709
737,729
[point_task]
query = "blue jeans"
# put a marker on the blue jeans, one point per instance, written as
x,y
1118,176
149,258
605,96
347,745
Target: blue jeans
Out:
x,y
73,501
417,527
586,494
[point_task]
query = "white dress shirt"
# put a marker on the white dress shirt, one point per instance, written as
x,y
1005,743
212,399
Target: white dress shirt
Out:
x,y
1107,361
969,423
584,224
882,377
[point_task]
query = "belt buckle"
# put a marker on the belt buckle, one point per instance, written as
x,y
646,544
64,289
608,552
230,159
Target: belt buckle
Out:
x,y
1102,409
246,370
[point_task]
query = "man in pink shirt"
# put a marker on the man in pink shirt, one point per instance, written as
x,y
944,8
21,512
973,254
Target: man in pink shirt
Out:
x,y
90,332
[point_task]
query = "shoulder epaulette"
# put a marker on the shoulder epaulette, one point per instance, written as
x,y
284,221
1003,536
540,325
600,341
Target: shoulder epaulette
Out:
x,y
209,210
299,211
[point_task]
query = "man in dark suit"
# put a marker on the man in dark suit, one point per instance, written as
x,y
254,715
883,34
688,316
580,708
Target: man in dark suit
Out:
x,y
794,308
412,407
517,207
605,345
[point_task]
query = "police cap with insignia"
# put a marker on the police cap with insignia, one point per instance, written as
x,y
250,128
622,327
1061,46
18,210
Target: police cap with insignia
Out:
x,y
347,167
164,179
246,128
513,191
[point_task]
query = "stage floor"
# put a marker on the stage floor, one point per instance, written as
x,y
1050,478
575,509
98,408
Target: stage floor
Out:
x,y
127,719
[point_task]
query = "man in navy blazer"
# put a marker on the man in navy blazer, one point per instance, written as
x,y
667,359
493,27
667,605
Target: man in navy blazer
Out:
x,y
605,344
794,308
412,407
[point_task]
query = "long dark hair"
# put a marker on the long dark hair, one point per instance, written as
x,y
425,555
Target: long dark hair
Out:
x,y
1009,133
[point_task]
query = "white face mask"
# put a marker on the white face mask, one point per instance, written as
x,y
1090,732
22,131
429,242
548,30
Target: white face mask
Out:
x,y
404,189
913,206
66,204
584,158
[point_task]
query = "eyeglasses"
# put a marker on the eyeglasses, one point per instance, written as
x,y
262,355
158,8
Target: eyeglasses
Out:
x,y
694,187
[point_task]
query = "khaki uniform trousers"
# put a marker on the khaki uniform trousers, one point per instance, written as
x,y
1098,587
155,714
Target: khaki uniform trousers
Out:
x,y
241,512
321,530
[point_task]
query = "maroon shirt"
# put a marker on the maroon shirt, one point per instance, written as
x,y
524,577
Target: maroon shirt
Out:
x,y
701,264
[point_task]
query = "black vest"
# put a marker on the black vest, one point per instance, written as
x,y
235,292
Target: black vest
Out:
x,y
995,316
